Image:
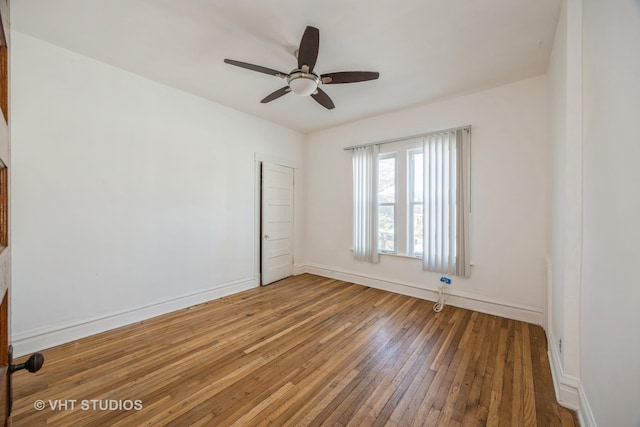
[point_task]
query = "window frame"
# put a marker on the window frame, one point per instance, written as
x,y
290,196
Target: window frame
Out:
x,y
400,150
394,204
411,203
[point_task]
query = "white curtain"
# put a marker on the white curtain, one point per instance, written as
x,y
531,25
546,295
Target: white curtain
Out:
x,y
463,257
446,192
365,203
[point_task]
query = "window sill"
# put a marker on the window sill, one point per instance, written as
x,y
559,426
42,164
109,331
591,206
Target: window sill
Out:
x,y
391,254
408,256
397,255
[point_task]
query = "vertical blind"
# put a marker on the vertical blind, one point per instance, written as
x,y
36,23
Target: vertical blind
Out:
x,y
446,191
365,203
446,157
463,197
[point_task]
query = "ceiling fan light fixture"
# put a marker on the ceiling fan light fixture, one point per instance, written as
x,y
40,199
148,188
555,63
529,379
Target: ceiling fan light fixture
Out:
x,y
303,84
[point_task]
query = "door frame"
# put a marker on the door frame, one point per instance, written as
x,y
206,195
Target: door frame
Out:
x,y
260,158
5,161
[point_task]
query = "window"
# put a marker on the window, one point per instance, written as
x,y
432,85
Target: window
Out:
x,y
400,207
416,205
417,201
387,203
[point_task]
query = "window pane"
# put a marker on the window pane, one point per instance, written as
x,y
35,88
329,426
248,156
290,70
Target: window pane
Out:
x,y
386,229
418,224
387,180
417,178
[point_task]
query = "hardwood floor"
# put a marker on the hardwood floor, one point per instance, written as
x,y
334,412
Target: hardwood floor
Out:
x,y
304,351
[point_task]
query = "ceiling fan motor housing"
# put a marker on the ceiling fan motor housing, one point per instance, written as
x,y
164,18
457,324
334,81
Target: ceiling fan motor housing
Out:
x,y
303,84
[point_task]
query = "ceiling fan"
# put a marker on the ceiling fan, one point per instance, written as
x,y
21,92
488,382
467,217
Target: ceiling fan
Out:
x,y
302,80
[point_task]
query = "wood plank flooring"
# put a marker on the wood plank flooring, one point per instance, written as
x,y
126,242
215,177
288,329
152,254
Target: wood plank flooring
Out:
x,y
306,351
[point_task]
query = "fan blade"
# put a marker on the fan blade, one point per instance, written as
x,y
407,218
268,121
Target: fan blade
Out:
x,y
257,68
349,77
308,50
277,94
323,99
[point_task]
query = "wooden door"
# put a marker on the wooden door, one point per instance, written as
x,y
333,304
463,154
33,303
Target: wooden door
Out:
x,y
277,223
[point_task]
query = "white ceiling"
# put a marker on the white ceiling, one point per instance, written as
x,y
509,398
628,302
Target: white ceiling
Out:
x,y
424,49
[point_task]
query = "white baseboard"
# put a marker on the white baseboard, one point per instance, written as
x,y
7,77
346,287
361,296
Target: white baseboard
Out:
x,y
42,338
458,299
585,415
299,269
566,386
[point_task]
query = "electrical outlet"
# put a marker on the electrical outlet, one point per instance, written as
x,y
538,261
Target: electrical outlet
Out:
x,y
560,345
446,280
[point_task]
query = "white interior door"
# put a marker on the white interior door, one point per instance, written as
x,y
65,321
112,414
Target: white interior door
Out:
x,y
277,223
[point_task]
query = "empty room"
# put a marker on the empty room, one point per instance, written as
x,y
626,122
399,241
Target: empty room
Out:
x,y
363,213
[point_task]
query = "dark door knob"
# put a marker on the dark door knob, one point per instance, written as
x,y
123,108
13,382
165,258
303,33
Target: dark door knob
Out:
x,y
33,364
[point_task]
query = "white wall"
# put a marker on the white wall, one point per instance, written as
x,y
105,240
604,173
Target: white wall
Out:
x,y
130,198
557,88
565,241
509,168
610,290
594,102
